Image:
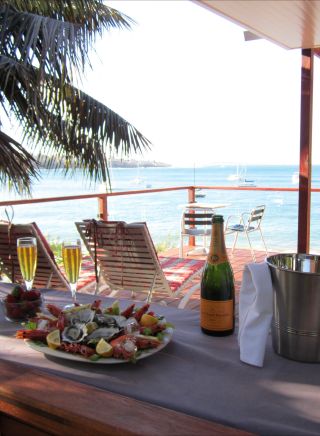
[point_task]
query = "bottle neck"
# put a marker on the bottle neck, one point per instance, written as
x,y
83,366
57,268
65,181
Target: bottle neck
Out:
x,y
217,252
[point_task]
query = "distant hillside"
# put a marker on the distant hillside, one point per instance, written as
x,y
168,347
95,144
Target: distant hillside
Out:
x,y
119,163
116,163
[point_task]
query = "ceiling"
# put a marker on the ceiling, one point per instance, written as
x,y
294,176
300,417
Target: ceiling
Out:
x,y
288,23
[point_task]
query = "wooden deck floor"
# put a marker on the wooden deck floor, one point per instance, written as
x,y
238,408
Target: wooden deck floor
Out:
x,y
238,259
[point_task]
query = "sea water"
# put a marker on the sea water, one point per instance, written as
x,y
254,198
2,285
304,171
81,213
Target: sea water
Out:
x,y
162,211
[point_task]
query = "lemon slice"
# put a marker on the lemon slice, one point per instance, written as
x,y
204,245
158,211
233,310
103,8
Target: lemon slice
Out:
x,y
148,320
77,308
53,339
104,349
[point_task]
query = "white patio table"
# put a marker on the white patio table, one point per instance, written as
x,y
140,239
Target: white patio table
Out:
x,y
205,207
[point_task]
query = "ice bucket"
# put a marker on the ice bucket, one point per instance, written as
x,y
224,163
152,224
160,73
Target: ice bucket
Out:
x,y
296,306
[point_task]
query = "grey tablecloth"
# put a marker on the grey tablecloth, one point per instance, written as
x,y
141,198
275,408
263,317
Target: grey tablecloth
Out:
x,y
198,375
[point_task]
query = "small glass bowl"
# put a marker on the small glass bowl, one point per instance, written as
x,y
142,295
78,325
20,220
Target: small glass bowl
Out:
x,y
21,310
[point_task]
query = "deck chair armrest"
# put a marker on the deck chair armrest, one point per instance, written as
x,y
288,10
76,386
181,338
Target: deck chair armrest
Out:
x,y
44,241
244,217
232,218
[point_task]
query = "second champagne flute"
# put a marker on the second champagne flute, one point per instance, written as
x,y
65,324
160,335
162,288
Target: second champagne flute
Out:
x,y
71,255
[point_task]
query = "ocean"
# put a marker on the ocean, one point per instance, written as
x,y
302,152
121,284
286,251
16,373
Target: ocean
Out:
x,y
162,211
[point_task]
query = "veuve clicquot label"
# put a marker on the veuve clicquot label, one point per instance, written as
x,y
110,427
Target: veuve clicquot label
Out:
x,y
214,259
216,315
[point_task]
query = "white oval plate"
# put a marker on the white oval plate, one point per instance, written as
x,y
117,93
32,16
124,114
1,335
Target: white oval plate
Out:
x,y
105,361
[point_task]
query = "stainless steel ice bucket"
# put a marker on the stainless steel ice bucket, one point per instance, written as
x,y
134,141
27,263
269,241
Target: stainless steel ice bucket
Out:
x,y
296,307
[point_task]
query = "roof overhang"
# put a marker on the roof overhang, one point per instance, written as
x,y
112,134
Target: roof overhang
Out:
x,y
290,24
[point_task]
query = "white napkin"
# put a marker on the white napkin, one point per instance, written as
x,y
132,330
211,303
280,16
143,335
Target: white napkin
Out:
x,y
255,312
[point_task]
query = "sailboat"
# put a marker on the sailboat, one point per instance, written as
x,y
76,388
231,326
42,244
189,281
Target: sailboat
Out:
x,y
199,193
240,177
236,176
295,178
138,180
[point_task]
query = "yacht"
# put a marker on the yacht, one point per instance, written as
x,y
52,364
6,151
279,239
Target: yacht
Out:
x,y
295,178
240,177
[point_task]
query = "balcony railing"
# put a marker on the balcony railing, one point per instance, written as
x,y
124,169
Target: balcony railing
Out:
x,y
103,199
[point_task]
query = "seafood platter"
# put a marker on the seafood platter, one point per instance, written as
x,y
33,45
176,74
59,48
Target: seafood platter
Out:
x,y
96,334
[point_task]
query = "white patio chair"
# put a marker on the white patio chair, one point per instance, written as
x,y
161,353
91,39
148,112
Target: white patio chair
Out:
x,y
195,223
247,223
126,259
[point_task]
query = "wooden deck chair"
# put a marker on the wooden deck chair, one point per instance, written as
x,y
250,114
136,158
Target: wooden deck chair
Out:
x,y
48,274
127,260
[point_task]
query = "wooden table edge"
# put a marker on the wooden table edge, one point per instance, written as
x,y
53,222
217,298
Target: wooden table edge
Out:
x,y
49,404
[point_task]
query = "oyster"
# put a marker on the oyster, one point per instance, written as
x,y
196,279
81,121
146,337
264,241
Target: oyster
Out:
x,y
110,320
74,333
83,315
103,332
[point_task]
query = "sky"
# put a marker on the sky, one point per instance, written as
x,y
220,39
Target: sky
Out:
x,y
188,81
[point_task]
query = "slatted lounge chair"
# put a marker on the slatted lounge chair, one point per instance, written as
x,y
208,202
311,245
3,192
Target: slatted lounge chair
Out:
x,y
127,260
48,273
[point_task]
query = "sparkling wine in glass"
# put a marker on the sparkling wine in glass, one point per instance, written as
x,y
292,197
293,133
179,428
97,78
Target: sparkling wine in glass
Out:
x,y
27,256
71,255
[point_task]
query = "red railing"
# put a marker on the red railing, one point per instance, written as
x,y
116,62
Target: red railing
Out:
x,y
103,197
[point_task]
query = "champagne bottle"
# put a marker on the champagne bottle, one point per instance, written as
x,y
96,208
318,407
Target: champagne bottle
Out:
x,y
217,286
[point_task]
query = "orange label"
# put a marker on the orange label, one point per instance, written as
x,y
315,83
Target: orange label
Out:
x,y
216,315
214,259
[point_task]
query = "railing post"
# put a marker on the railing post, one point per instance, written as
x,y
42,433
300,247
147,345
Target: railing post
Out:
x,y
103,208
191,194
192,199
304,204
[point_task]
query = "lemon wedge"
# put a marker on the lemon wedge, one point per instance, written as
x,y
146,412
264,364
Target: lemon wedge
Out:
x,y
115,308
148,320
104,349
53,339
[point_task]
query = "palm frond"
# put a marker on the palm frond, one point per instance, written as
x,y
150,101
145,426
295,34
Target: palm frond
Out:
x,y
17,166
59,41
89,13
65,120
42,42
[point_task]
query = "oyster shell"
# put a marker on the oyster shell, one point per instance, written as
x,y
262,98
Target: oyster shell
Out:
x,y
103,332
82,316
74,333
110,320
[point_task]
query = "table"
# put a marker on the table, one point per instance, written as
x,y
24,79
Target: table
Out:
x,y
209,206
195,374
205,208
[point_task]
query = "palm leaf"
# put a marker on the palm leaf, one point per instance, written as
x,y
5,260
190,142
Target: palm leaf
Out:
x,y
59,41
17,166
89,13
42,42
80,130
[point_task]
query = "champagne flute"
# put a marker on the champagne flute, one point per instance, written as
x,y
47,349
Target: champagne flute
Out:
x,y
71,255
27,256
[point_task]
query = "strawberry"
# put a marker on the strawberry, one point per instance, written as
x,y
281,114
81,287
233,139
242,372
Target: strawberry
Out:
x,y
15,313
30,295
10,299
17,291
